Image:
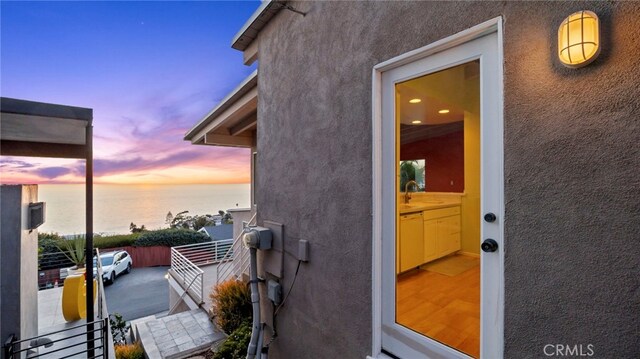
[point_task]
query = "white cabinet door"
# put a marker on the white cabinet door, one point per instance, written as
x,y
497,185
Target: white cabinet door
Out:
x,y
448,234
411,241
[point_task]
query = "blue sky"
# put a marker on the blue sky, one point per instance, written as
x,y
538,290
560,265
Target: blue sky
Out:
x,y
149,70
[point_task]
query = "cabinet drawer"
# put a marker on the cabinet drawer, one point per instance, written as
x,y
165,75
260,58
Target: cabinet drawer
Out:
x,y
441,212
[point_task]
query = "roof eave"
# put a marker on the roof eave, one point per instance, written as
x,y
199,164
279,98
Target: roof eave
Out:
x,y
258,20
244,87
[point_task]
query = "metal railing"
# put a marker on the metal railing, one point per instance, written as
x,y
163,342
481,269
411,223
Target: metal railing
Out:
x,y
188,274
205,253
37,347
102,308
186,261
241,263
52,269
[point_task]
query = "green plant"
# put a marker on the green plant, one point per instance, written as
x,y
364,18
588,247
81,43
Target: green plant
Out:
x,y
407,173
231,304
235,347
114,241
170,237
129,351
119,328
73,249
49,242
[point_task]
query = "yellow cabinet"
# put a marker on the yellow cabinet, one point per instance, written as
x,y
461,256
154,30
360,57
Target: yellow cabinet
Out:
x,y
441,232
411,241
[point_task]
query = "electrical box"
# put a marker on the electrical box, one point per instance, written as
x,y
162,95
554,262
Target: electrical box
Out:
x,y
274,292
257,237
37,213
303,250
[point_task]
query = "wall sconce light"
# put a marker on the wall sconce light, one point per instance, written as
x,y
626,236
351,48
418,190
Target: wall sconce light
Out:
x,y
579,39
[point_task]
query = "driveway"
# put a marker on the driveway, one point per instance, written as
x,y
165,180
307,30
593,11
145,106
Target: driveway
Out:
x,y
142,292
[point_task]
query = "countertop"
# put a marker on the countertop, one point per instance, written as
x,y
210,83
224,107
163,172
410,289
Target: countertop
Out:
x,y
414,207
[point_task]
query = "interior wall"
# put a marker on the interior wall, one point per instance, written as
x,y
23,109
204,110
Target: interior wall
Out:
x,y
444,161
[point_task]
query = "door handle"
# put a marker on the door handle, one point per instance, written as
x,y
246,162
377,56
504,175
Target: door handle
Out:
x,y
489,245
490,217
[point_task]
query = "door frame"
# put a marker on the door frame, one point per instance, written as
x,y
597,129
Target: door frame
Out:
x,y
492,344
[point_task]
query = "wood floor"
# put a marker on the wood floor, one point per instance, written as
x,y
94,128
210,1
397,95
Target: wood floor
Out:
x,y
442,307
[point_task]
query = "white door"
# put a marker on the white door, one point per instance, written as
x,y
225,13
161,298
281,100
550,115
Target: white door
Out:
x,y
404,341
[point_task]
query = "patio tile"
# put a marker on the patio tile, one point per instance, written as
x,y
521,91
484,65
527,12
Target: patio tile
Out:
x,y
169,351
182,339
187,346
159,333
197,333
165,338
164,345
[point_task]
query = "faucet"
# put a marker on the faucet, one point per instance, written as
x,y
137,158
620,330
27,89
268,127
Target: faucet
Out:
x,y
407,194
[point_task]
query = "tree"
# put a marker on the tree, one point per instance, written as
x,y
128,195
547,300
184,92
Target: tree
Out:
x,y
407,173
169,218
134,229
201,221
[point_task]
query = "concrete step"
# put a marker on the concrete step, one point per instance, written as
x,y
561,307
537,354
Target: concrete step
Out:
x,y
178,335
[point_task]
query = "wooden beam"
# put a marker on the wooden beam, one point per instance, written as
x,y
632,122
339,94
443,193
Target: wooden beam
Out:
x,y
33,108
250,54
242,107
227,140
39,149
244,124
32,128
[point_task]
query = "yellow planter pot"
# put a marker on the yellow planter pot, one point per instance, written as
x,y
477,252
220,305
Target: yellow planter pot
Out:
x,y
74,303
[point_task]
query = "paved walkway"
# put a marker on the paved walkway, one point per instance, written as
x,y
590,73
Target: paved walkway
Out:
x,y
50,320
178,335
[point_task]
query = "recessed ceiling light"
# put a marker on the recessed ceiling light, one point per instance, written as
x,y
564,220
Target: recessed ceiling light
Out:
x,y
416,122
415,100
443,111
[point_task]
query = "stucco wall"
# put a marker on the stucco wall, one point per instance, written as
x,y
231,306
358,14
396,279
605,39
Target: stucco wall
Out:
x,y
571,162
19,259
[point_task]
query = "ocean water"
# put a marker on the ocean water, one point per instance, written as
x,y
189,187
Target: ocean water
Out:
x,y
116,206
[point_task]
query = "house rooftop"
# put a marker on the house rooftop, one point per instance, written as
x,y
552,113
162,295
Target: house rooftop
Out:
x,y
223,231
258,20
233,121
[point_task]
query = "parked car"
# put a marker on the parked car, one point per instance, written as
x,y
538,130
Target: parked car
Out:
x,y
113,264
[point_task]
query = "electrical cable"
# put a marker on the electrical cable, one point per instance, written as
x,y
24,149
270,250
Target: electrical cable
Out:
x,y
275,313
277,310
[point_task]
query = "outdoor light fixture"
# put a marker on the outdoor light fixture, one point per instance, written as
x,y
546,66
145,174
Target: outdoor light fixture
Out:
x,y
415,100
443,111
416,122
579,39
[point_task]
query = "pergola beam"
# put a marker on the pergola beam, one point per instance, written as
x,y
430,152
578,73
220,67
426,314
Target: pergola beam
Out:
x,y
37,129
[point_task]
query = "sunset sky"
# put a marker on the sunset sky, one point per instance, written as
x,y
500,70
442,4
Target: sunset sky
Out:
x,y
149,71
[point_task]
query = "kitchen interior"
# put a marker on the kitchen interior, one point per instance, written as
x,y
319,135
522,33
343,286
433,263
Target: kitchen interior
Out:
x,y
438,206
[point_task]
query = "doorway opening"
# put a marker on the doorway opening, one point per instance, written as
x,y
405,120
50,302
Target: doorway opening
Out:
x,y
438,206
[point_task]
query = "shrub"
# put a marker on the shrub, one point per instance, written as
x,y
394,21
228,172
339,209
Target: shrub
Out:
x,y
170,237
74,250
231,304
129,351
49,242
119,328
235,347
114,241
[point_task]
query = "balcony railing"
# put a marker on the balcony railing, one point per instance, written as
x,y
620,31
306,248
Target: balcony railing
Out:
x,y
65,343
68,342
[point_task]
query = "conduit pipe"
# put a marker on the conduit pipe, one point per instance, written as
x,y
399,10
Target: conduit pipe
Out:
x,y
255,301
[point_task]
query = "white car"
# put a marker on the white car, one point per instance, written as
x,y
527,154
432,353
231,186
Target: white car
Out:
x,y
113,264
